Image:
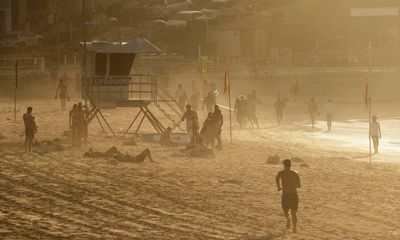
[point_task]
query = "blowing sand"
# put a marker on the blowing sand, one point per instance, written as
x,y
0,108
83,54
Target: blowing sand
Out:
x,y
62,195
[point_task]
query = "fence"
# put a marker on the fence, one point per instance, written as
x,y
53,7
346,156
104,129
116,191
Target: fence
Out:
x,y
24,63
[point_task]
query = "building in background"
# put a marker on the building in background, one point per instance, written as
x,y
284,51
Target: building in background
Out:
x,y
5,16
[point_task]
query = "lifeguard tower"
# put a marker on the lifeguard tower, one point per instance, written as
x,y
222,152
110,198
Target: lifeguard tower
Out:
x,y
107,81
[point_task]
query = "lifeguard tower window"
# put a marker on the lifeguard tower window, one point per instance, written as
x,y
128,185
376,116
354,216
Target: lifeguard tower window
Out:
x,y
121,63
101,64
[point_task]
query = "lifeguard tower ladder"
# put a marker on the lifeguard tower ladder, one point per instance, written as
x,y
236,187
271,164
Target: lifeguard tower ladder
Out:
x,y
107,81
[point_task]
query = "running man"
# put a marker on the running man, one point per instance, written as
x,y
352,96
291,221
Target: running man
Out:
x,y
329,110
290,201
375,133
30,128
62,93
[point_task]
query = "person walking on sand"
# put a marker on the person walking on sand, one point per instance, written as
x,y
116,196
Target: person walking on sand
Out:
x,y
313,111
194,100
181,97
279,105
290,201
209,102
217,120
62,93
251,100
236,110
329,109
191,121
73,122
30,129
243,111
375,133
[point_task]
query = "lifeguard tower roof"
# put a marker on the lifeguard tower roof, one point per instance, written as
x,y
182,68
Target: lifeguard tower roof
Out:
x,y
139,45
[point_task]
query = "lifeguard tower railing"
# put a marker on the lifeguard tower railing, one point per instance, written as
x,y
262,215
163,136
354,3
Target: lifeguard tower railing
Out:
x,y
117,89
134,90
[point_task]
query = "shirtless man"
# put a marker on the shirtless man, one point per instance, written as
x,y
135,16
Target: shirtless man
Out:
x,y
209,102
30,128
165,139
217,121
191,121
329,109
313,111
73,122
290,182
375,133
62,92
116,154
279,105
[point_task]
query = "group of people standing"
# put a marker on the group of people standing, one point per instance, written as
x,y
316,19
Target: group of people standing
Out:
x,y
245,110
211,128
208,93
77,124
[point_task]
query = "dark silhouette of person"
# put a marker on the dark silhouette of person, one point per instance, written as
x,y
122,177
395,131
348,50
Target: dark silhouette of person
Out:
x,y
30,129
375,133
279,105
312,111
290,201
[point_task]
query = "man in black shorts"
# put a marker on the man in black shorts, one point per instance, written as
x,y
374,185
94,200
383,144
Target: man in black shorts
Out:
x,y
290,182
30,128
62,93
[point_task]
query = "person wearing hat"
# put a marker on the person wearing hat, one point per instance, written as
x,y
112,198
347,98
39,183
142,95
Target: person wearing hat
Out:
x,y
290,201
375,132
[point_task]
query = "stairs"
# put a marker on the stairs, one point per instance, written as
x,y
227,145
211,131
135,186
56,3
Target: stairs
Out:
x,y
171,112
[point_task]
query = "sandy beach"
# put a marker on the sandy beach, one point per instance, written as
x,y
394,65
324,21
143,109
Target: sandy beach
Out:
x,y
63,195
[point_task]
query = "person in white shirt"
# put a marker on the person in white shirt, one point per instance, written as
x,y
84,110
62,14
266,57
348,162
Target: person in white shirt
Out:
x,y
375,133
329,110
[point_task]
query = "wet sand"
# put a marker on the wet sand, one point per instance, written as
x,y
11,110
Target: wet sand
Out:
x,y
62,195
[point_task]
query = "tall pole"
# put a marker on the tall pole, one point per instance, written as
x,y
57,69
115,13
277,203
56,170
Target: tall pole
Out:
x,y
369,101
58,38
84,63
369,132
230,112
15,90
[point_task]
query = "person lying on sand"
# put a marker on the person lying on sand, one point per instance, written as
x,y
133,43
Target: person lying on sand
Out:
x,y
165,139
116,154
290,182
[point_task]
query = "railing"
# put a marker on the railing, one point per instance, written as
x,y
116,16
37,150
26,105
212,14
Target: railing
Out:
x,y
119,88
24,63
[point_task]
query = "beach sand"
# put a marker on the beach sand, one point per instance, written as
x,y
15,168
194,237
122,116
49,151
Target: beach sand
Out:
x,y
63,195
